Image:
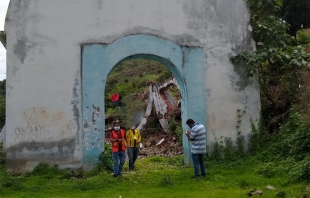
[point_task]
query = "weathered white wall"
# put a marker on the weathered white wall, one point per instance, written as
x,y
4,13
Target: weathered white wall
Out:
x,y
44,40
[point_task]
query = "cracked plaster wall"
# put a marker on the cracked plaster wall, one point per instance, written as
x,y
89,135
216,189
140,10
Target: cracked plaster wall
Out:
x,y
44,64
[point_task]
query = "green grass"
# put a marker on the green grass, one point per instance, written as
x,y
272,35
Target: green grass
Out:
x,y
155,177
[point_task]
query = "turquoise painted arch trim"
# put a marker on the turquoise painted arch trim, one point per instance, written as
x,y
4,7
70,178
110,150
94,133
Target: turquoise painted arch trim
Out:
x,y
97,62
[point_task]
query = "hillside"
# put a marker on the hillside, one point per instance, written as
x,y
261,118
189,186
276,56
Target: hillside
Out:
x,y
129,79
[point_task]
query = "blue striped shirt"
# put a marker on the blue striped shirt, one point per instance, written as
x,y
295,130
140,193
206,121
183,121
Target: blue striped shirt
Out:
x,y
198,134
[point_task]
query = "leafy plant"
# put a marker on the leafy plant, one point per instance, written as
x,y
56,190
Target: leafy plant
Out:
x,y
167,180
277,62
240,150
295,138
229,150
11,182
303,36
267,170
300,171
216,153
105,161
176,129
44,169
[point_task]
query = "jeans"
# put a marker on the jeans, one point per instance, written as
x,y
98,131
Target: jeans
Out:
x,y
133,153
198,161
118,161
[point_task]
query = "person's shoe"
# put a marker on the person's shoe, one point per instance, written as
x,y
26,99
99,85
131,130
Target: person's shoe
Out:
x,y
195,177
114,175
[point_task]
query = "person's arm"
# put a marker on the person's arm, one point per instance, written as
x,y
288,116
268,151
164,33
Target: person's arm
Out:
x,y
139,137
112,139
125,138
190,135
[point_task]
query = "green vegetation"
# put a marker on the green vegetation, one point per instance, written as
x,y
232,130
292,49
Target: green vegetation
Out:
x,y
155,177
129,79
303,37
176,128
278,62
281,142
278,150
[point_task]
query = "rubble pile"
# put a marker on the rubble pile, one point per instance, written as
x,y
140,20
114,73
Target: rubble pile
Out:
x,y
164,145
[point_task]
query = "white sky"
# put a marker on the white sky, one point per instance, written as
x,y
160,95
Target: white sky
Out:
x,y
3,8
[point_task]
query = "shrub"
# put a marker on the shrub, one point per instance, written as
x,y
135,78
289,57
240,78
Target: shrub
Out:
x,y
216,152
240,146
294,138
44,169
300,170
105,161
229,150
11,182
267,170
303,36
176,129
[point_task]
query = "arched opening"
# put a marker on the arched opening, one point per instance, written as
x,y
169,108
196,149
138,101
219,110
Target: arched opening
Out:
x,y
127,92
143,94
98,60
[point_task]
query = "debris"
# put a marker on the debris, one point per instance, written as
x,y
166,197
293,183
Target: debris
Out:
x,y
270,187
255,192
172,144
161,100
153,142
166,149
147,144
161,141
174,138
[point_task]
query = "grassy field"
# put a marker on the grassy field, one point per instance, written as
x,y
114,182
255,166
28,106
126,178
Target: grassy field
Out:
x,y
154,177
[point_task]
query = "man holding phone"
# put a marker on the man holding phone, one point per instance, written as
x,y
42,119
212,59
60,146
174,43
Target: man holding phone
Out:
x,y
197,135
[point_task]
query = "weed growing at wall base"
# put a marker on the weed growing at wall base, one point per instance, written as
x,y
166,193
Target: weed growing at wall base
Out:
x,y
227,150
2,155
105,162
